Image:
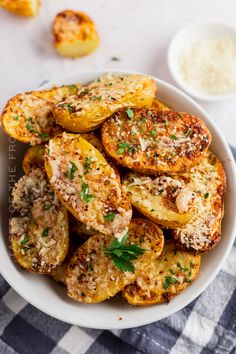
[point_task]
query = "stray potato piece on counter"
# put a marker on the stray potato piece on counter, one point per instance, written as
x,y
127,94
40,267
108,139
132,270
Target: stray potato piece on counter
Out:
x,y
22,7
208,181
155,142
75,34
94,103
97,270
164,278
33,158
163,199
86,184
39,226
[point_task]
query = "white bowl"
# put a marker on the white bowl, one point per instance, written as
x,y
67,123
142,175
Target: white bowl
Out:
x,y
187,36
50,297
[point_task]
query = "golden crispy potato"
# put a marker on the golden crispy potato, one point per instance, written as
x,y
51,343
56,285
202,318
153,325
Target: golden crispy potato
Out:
x,y
29,119
93,277
155,142
160,106
208,182
33,158
74,33
39,226
96,102
22,7
57,94
164,200
164,278
78,228
86,184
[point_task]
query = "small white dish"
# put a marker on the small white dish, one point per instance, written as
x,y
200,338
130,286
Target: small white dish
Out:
x,y
187,36
50,297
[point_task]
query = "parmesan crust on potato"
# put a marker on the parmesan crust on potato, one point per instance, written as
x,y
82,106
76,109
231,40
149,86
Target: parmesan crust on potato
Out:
x,y
74,34
155,142
208,181
95,102
164,278
93,277
39,226
87,185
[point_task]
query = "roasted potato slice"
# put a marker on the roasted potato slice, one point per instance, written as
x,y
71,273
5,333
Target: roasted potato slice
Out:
x,y
86,184
75,34
164,278
94,103
93,277
57,94
155,142
78,228
160,106
33,158
164,200
29,119
39,226
22,7
208,182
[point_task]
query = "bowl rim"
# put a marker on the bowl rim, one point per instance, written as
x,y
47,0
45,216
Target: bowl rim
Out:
x,y
143,320
177,77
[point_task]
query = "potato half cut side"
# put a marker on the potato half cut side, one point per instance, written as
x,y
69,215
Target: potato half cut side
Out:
x,y
94,103
87,185
33,158
164,278
93,277
75,34
208,181
39,226
29,119
164,200
155,142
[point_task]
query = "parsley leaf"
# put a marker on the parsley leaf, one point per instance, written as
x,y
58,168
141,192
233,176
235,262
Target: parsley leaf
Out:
x,y
70,108
122,254
16,117
47,206
123,147
44,135
45,233
130,113
84,193
188,132
173,137
25,240
169,281
206,195
110,217
115,59
87,163
71,172
153,132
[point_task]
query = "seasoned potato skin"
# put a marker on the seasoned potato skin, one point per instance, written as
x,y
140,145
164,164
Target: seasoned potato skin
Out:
x,y
22,7
75,34
95,102
208,181
92,277
152,286
156,199
33,158
94,191
155,142
39,226
29,119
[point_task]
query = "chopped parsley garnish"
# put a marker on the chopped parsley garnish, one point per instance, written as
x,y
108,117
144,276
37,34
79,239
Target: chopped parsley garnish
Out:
x,y
188,132
123,254
73,87
153,132
206,195
99,98
87,166
173,137
153,210
47,206
25,240
29,126
71,172
123,147
143,120
44,135
16,117
169,281
70,108
130,113
188,280
45,233
115,59
171,271
110,217
84,193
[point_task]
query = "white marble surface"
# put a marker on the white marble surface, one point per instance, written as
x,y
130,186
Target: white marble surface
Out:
x,y
136,31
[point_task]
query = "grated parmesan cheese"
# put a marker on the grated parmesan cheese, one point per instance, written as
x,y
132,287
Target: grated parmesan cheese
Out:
x,y
209,65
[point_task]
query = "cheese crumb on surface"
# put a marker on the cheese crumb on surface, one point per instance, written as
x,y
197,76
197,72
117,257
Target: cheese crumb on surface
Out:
x,y
209,65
